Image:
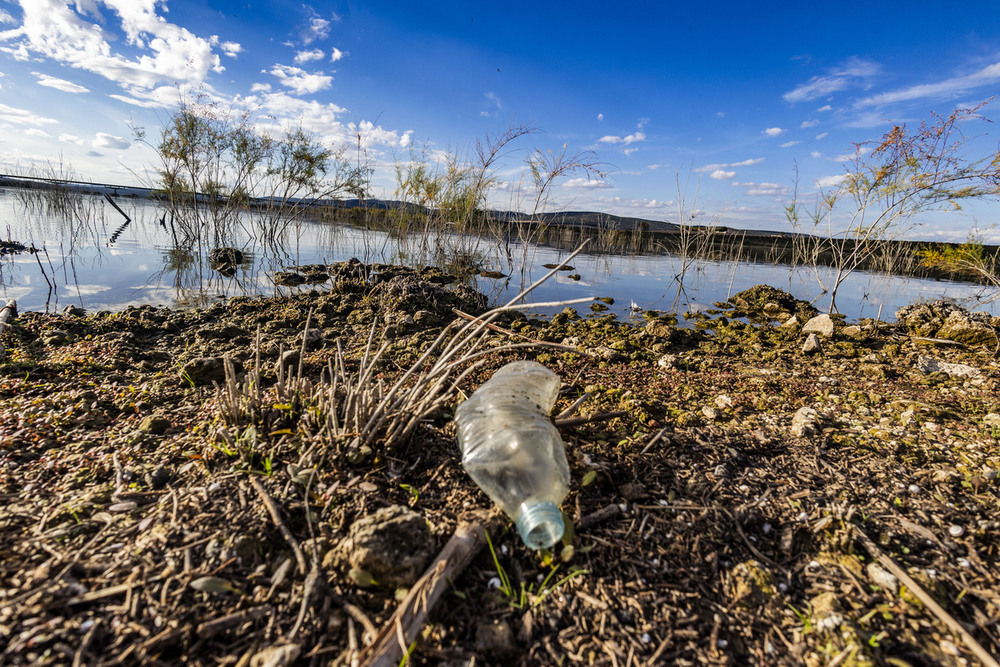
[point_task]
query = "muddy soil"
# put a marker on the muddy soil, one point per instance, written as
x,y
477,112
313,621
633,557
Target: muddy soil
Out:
x,y
751,503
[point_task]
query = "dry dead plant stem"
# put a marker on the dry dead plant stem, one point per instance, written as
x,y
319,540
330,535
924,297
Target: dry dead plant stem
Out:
x,y
888,563
395,637
280,524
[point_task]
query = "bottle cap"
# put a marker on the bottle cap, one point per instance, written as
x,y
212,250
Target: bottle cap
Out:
x,y
540,525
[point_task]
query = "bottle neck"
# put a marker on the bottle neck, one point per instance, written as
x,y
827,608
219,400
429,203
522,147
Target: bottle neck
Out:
x,y
540,524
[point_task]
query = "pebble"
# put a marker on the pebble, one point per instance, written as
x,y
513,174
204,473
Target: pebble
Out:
x,y
914,488
963,562
955,530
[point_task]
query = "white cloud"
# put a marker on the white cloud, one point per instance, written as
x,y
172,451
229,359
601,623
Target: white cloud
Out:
x,y
764,189
299,80
260,88
808,123
166,52
23,116
494,102
743,163
6,18
336,55
821,135
36,132
942,89
631,138
136,102
774,131
70,139
104,140
789,144
825,107
308,56
815,154
600,116
721,175
231,49
315,28
59,84
847,157
836,80
586,183
831,181
406,139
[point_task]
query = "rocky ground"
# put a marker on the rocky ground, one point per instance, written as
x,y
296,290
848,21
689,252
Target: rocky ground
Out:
x,y
773,489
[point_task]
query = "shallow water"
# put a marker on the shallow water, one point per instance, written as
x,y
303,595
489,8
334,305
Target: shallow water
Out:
x,y
90,259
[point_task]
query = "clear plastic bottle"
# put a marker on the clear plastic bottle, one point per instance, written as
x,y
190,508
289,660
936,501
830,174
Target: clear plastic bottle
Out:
x,y
512,450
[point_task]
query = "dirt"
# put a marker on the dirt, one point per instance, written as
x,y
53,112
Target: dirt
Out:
x,y
136,523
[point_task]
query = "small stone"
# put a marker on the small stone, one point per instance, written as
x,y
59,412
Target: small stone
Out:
x,y
956,530
710,413
805,422
155,425
495,638
720,471
853,331
812,345
55,337
882,577
206,370
791,323
821,324
723,402
393,544
992,419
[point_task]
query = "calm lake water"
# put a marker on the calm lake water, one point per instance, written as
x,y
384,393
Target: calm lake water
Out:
x,y
91,260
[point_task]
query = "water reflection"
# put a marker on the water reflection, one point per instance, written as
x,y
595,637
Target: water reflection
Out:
x,y
92,257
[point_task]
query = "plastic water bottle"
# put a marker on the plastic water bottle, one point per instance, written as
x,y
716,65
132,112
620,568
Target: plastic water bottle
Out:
x,y
514,453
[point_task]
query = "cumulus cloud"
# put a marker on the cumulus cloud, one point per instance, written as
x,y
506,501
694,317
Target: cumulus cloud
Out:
x,y
336,55
808,123
104,140
231,49
774,131
406,140
36,132
6,18
815,154
831,181
628,139
164,52
23,116
789,144
316,27
721,175
600,116
301,81
308,56
59,84
825,107
854,71
586,183
821,135
70,139
989,75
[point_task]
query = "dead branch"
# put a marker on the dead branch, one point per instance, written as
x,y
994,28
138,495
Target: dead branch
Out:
x,y
403,627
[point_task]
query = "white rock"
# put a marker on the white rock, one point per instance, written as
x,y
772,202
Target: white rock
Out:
x,y
931,365
811,346
805,422
821,324
882,577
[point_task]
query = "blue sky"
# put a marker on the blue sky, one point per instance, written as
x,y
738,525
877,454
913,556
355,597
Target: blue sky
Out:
x,y
729,98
